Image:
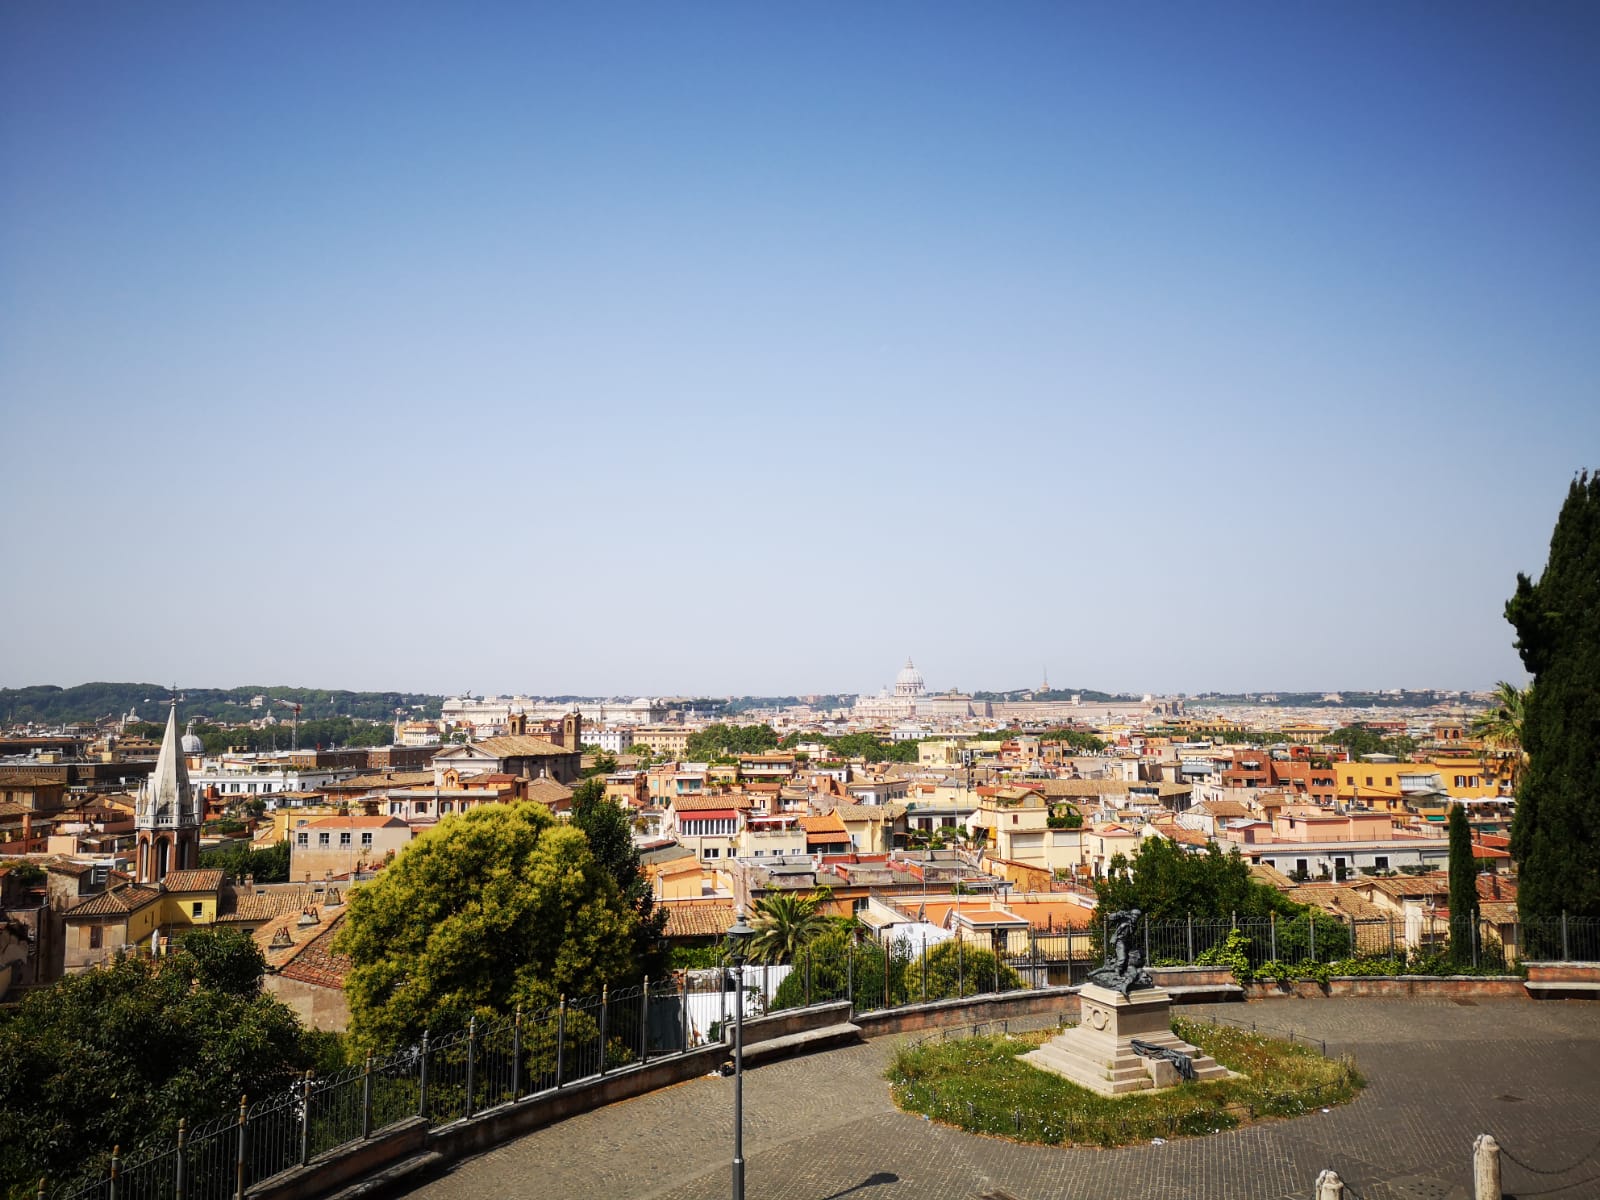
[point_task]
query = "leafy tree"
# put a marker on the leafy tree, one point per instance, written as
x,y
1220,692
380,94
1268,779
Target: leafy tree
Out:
x,y
1360,740
1076,738
490,909
1555,836
785,924
605,763
1169,883
269,865
957,969
725,741
609,828
1463,874
117,1056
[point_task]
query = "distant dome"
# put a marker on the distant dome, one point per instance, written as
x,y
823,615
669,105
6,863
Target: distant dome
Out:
x,y
189,743
909,682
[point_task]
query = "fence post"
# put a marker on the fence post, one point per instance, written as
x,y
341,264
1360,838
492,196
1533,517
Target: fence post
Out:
x,y
886,974
1485,1167
961,964
561,1039
1311,924
366,1097
808,976
1189,925
924,968
1354,953
1474,936
850,976
605,1005
305,1119
1566,955
1272,933
472,1061
683,1005
644,1022
1330,1186
238,1163
1033,957
1145,921
116,1171
1233,920
1390,922
178,1166
516,1053
422,1079
41,1187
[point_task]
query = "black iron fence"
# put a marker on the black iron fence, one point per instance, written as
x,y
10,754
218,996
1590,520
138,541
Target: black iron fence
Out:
x,y
493,1062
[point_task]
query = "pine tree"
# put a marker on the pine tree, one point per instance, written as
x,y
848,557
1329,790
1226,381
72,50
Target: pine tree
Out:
x,y
1555,837
1463,883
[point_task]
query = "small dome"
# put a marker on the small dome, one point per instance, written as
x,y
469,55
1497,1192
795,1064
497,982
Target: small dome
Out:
x,y
190,743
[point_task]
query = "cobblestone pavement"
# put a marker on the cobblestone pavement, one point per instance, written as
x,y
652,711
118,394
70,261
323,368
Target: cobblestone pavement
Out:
x,y
823,1127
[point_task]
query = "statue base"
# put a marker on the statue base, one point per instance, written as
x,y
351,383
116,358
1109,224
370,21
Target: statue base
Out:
x,y
1097,1054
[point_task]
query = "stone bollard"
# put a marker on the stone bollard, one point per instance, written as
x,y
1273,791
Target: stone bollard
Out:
x,y
1329,1186
1485,1167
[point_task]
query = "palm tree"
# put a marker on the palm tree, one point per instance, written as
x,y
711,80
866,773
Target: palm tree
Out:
x,y
784,923
1500,726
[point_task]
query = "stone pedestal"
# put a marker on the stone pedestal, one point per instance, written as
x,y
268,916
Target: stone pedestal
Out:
x,y
1097,1053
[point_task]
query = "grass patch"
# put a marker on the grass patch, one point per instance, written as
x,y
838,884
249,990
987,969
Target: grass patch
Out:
x,y
980,1085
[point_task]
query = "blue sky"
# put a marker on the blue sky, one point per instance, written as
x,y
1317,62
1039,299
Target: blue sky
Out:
x,y
750,348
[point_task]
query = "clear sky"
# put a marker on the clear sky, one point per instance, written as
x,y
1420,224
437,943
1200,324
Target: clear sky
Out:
x,y
752,347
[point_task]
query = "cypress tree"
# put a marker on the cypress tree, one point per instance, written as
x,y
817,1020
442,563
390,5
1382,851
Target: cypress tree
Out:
x,y
1555,836
1463,883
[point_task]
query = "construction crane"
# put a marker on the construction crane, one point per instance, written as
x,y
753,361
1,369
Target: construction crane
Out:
x,y
292,704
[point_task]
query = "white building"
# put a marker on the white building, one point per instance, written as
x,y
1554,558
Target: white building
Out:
x,y
616,739
488,715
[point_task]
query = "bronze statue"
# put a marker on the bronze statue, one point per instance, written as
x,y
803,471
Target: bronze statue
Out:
x,y
1124,966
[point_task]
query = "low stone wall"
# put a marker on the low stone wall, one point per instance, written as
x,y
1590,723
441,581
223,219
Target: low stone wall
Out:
x,y
1564,980
333,1170
966,1010
1347,986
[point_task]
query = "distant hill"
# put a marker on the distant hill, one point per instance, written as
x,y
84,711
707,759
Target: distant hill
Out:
x,y
50,705
1267,699
1054,694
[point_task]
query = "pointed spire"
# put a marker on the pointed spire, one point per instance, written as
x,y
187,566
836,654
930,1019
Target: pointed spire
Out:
x,y
168,799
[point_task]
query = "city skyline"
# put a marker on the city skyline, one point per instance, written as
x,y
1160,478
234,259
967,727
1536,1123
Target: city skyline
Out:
x,y
629,350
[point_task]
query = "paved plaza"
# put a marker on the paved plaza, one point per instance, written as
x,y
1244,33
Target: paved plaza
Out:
x,y
823,1127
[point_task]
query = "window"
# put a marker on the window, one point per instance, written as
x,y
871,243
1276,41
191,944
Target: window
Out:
x,y
322,839
1388,781
1300,866
711,852
197,909
344,838
1369,780
366,838
1381,862
302,839
95,934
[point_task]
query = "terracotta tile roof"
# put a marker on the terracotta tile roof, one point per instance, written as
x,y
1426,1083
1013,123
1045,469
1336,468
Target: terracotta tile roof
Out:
x,y
273,900
548,791
710,803
825,823
353,822
1338,900
519,747
390,779
1271,876
697,918
116,902
316,963
202,879
1498,912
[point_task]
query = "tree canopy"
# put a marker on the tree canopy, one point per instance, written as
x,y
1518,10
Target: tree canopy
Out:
x,y
609,829
491,909
785,923
727,741
268,865
1463,871
117,1056
1359,740
1169,883
1555,836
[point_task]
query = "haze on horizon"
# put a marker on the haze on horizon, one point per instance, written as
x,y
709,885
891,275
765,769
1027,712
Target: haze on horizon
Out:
x,y
640,349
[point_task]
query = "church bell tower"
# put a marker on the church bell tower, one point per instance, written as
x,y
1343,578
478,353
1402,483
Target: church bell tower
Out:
x,y
167,816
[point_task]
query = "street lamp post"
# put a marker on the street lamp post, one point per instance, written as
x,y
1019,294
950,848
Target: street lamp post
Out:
x,y
738,939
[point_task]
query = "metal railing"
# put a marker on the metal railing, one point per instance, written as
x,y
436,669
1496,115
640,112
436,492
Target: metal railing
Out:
x,y
493,1062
